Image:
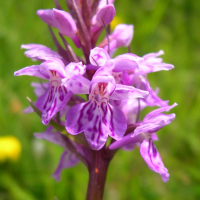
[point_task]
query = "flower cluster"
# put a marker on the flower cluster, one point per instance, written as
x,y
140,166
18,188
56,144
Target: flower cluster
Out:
x,y
99,95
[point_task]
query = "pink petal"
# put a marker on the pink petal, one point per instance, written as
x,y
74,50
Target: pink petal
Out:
x,y
123,34
33,70
65,23
47,16
98,56
106,14
67,160
53,64
39,52
122,63
152,158
97,121
75,68
77,84
54,137
52,101
154,113
127,92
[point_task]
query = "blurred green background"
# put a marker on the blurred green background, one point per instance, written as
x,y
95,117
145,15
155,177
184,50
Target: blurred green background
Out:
x,y
169,25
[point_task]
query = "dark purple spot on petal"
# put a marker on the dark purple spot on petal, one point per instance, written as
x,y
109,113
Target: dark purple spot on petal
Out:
x,y
154,151
61,94
97,56
65,89
76,68
80,84
89,129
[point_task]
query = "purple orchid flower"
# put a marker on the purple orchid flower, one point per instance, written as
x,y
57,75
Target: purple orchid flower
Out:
x,y
47,16
67,159
155,120
137,77
40,52
144,134
121,37
39,90
148,63
116,89
97,118
104,15
152,157
152,99
99,57
57,95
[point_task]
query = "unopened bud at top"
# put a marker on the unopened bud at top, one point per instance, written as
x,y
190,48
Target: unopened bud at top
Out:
x,y
46,16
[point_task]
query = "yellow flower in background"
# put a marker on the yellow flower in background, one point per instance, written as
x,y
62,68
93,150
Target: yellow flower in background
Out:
x,y
10,148
115,22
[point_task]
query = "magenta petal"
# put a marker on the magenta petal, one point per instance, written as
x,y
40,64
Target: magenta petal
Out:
x,y
126,140
33,70
152,64
122,63
106,14
155,124
53,64
152,56
39,52
31,46
40,88
106,120
67,160
87,117
152,158
54,99
77,84
97,121
46,16
156,112
75,68
127,92
154,137
65,23
54,137
123,34
98,56
152,99
148,128
114,121
73,119
104,74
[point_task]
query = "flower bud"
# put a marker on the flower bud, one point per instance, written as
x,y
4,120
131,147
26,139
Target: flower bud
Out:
x,y
47,16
